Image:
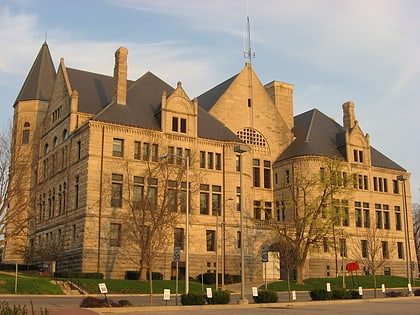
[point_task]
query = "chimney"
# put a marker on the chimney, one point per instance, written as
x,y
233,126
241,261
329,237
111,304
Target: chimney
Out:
x,y
349,119
120,76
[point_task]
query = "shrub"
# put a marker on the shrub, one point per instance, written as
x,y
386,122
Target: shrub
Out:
x,y
417,292
80,275
132,275
91,301
208,278
318,295
266,297
193,299
220,297
394,294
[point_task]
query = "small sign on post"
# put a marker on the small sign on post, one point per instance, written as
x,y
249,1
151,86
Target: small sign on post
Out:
x,y
177,253
254,291
166,295
383,288
294,296
104,290
209,293
328,287
360,291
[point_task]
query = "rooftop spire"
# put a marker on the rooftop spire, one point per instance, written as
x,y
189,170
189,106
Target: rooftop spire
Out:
x,y
39,82
249,53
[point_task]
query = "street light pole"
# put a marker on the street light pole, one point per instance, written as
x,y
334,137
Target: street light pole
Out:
x,y
403,178
187,219
241,149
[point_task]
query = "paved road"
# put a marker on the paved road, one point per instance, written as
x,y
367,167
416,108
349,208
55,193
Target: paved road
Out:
x,y
389,306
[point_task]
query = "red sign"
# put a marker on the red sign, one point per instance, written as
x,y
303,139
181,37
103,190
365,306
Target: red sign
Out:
x,y
353,266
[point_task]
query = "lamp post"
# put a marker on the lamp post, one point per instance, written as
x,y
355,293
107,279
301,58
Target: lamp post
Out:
x,y
187,220
241,149
403,178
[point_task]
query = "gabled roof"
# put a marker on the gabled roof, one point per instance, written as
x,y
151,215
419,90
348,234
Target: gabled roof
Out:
x,y
95,90
39,82
318,135
144,97
209,98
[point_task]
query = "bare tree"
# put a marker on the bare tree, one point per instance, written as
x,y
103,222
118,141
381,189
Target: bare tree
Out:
x,y
288,258
156,204
416,229
311,207
372,249
14,192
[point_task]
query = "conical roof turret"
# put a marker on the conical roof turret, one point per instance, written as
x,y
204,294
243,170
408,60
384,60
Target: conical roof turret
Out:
x,y
39,82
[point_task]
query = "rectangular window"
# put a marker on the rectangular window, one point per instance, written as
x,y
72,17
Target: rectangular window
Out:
x,y
202,159
172,196
175,124
152,194
387,221
287,177
79,150
117,190
397,218
204,199
118,147
76,192
171,154
366,218
395,186
343,247
211,240
183,127
137,150
256,172
267,174
115,235
379,222
365,182
216,200
385,251
400,249
268,210
358,213
375,183
146,151
218,161
210,160
238,198
238,239
257,209
138,192
325,244
238,163
155,152
365,250
179,238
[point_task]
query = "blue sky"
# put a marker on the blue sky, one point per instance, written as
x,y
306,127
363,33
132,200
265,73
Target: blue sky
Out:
x,y
332,51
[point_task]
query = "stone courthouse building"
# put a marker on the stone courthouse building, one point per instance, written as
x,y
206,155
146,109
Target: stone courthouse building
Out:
x,y
90,137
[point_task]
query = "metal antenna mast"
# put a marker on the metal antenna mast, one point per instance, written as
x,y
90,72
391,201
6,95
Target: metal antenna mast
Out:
x,y
249,54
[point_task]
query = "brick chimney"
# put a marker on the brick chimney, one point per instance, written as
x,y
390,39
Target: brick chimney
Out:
x,y
120,76
349,119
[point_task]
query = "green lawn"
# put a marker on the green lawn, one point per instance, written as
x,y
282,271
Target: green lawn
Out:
x,y
27,284
336,283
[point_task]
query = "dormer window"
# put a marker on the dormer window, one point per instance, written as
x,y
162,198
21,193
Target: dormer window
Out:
x,y
179,124
358,156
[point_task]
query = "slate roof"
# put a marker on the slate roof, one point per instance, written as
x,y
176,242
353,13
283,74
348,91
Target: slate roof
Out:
x,y
39,82
143,103
209,98
317,134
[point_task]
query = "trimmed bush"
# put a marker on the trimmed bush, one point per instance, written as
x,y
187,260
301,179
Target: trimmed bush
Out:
x,y
135,275
266,297
80,275
394,294
318,295
219,297
416,292
208,278
90,301
193,299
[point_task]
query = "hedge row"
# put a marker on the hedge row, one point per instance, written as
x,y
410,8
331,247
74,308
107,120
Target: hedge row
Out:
x,y
219,297
334,294
210,278
79,275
